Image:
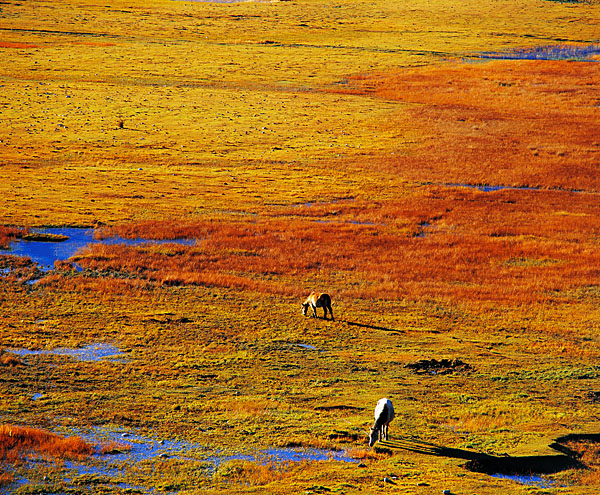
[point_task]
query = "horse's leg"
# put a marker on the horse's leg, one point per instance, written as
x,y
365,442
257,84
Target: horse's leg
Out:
x,y
331,313
314,308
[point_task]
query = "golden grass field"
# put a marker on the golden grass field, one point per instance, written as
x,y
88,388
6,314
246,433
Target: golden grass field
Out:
x,y
302,145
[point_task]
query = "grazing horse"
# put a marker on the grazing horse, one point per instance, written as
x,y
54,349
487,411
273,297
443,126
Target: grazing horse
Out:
x,y
318,300
384,413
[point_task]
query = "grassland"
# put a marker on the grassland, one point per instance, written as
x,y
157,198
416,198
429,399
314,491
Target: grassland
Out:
x,y
304,145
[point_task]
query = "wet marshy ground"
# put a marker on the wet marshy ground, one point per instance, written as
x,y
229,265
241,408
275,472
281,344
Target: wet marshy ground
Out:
x,y
550,52
124,458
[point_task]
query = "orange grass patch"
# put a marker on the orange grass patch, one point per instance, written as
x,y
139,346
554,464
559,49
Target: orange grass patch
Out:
x,y
364,454
502,122
16,442
588,453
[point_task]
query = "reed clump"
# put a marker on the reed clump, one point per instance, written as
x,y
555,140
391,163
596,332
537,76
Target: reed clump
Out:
x,y
8,234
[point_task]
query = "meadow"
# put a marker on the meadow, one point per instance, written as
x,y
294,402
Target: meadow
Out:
x,y
433,165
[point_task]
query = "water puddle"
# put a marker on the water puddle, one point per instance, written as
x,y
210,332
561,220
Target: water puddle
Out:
x,y
426,229
45,252
294,454
527,470
548,52
308,347
531,480
92,352
490,188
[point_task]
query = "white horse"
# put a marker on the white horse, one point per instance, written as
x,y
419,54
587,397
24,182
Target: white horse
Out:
x,y
384,413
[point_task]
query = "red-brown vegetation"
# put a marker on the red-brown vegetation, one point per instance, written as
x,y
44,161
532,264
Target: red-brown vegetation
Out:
x,y
12,44
17,442
513,122
7,234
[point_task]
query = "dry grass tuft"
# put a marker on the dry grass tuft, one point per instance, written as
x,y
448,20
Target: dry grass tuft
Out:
x,y
6,479
114,448
17,442
365,454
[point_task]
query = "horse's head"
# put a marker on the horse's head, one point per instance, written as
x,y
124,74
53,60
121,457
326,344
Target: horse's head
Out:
x,y
373,436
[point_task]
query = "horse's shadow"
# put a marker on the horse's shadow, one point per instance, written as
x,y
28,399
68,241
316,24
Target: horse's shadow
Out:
x,y
365,325
493,464
357,324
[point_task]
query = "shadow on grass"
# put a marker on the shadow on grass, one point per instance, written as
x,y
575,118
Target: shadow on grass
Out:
x,y
489,464
365,325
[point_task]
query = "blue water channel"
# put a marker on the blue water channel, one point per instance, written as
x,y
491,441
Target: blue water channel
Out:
x,y
548,52
141,447
46,253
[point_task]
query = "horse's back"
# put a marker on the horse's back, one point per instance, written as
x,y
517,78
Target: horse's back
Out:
x,y
325,299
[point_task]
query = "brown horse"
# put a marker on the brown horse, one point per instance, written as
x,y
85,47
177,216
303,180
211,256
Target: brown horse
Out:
x,y
318,300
